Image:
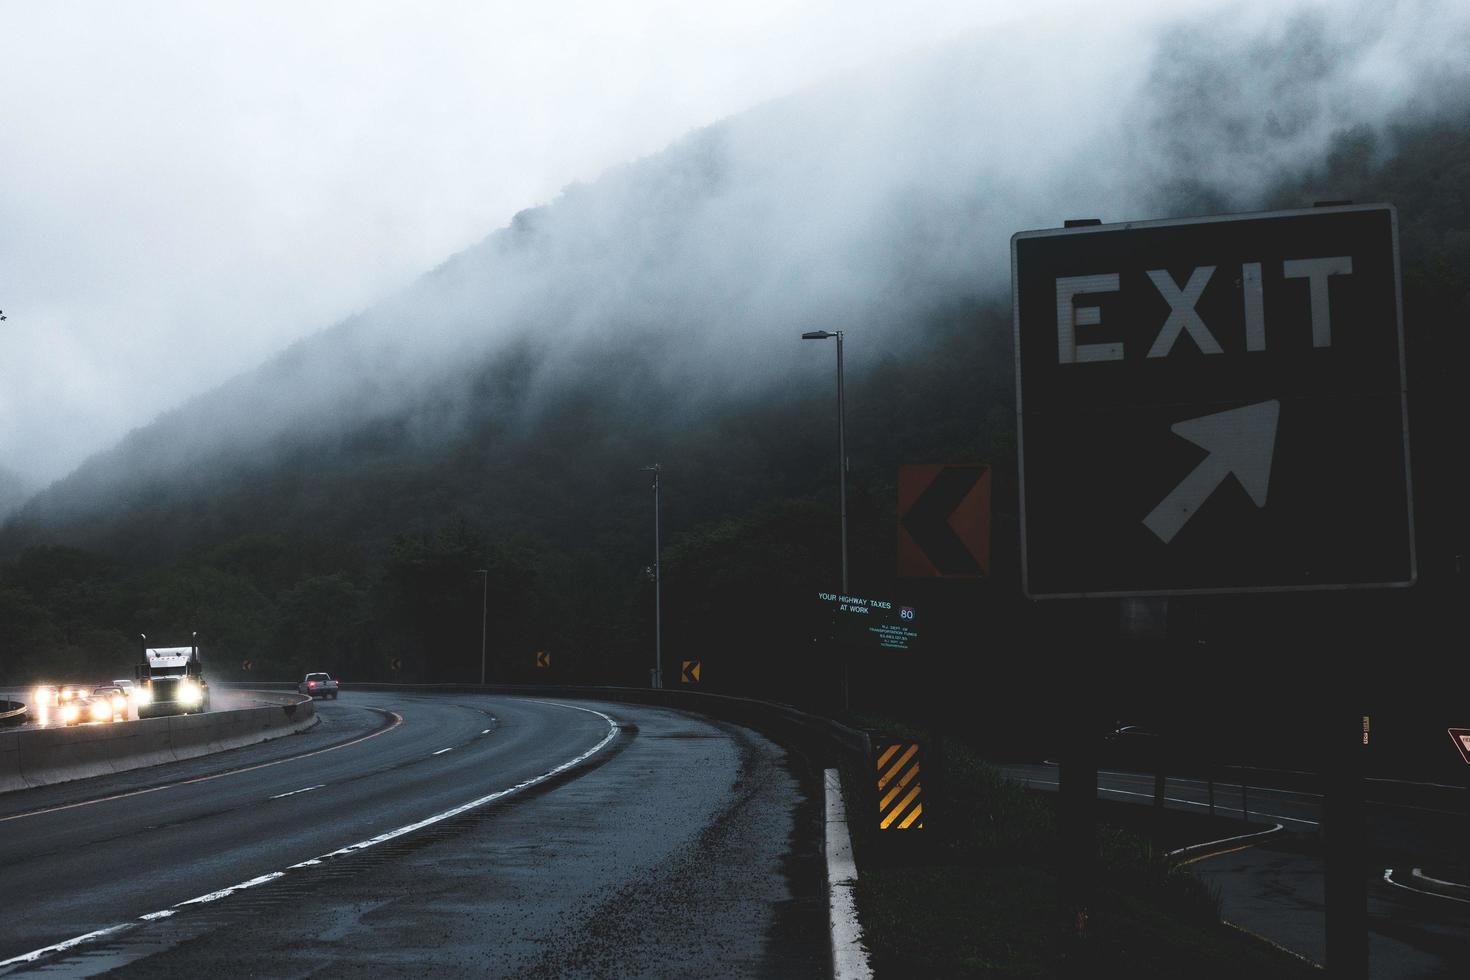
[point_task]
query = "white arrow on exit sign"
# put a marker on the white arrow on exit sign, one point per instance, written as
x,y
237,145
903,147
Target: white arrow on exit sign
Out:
x,y
1241,441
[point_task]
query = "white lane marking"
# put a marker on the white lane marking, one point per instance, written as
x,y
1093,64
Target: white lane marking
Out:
x,y
612,732
1421,876
308,789
227,892
1171,799
849,959
397,720
61,947
485,732
1388,877
1179,851
472,804
442,751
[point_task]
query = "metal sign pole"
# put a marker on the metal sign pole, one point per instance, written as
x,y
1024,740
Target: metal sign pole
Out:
x,y
1077,792
1346,883
1345,873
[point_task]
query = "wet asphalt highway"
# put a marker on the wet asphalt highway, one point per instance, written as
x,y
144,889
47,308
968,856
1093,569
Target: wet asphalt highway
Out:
x,y
679,847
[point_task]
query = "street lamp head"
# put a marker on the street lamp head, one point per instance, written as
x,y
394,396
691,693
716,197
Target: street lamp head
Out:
x,y
655,468
817,335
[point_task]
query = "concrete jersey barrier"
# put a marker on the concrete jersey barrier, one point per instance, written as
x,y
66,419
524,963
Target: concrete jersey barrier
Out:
x,y
41,757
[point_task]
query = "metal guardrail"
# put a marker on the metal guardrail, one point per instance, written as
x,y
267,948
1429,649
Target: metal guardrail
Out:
x,y
13,713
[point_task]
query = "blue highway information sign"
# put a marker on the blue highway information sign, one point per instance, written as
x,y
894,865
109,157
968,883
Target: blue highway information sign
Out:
x,y
1213,405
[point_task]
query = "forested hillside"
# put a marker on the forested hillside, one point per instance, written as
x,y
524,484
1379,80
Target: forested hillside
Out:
x,y
346,533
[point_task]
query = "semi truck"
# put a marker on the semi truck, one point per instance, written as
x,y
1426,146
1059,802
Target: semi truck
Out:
x,y
170,680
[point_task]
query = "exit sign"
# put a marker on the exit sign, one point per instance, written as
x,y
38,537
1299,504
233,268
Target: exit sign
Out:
x,y
1213,405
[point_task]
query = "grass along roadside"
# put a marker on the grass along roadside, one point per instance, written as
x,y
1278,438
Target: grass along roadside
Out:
x,y
979,896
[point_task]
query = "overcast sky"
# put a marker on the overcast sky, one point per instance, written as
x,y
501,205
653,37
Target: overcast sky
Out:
x,y
187,187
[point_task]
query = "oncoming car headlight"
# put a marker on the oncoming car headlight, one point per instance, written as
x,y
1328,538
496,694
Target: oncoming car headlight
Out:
x,y
119,703
189,692
102,710
70,713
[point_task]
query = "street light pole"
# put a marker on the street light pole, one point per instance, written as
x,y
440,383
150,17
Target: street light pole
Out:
x,y
841,440
484,614
658,650
841,472
842,458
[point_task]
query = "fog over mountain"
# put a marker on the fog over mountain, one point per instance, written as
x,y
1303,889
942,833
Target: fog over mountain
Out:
x,y
860,205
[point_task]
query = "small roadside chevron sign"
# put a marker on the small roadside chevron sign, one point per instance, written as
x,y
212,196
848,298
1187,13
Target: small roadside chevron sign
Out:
x,y
690,673
543,659
900,800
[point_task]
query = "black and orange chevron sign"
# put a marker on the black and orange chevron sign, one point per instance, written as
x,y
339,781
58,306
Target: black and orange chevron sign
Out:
x,y
900,801
690,673
543,659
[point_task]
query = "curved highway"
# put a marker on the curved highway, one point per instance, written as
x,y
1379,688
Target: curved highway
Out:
x,y
431,833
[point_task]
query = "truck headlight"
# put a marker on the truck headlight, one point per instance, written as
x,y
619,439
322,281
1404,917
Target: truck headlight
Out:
x,y
189,692
142,695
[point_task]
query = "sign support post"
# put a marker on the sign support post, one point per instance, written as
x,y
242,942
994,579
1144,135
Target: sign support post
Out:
x,y
1346,890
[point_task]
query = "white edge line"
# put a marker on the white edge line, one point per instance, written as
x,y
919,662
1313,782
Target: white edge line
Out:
x,y
1388,877
363,845
305,789
442,751
849,958
1179,851
227,892
1419,873
60,947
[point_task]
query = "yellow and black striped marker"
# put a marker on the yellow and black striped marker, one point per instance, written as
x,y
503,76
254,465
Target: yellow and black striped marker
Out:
x,y
543,659
900,802
690,673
